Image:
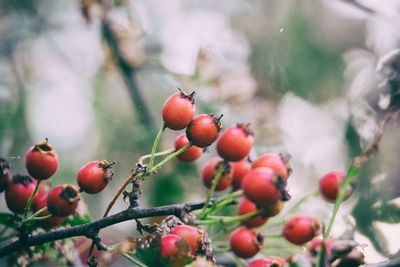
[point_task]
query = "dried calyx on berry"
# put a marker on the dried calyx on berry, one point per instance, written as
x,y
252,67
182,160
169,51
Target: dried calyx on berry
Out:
x,y
63,200
5,174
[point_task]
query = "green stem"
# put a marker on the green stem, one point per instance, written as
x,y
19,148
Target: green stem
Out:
x,y
161,164
227,219
30,200
155,145
158,154
36,213
210,193
38,218
351,174
224,201
133,260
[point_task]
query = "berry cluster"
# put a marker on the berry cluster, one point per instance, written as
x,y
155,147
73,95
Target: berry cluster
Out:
x,y
50,206
258,186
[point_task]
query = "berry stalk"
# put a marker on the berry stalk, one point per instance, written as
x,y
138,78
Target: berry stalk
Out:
x,y
155,145
161,164
30,200
210,193
158,154
227,219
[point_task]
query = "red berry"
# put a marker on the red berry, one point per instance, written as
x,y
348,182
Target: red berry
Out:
x,y
245,243
203,130
260,186
271,261
192,235
235,143
5,174
261,263
41,160
189,155
94,176
275,162
329,185
240,169
246,206
63,200
301,229
210,170
51,222
19,191
178,110
173,246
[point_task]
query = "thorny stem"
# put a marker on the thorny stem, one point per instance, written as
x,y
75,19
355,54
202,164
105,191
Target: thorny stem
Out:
x,y
210,193
155,145
30,200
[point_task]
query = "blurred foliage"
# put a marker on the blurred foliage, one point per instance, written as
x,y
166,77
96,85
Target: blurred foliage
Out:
x,y
294,60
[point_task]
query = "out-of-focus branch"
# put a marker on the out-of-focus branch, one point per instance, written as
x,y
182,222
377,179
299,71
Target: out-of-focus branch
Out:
x,y
359,6
128,73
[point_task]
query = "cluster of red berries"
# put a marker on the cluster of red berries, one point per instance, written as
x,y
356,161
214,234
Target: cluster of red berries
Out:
x,y
178,246
41,162
263,181
201,131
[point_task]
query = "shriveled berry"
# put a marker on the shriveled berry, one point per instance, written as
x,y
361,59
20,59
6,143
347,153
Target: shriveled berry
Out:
x,y
192,235
19,191
235,143
63,200
240,169
260,186
246,243
329,185
189,155
94,176
276,162
210,171
5,174
300,229
178,110
246,206
41,160
203,130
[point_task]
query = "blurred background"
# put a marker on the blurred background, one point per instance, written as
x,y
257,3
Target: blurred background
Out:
x,y
92,76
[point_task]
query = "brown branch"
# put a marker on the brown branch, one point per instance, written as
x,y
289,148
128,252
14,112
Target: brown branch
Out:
x,y
93,227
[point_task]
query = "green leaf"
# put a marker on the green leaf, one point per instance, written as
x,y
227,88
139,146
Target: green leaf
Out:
x,y
77,220
9,220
